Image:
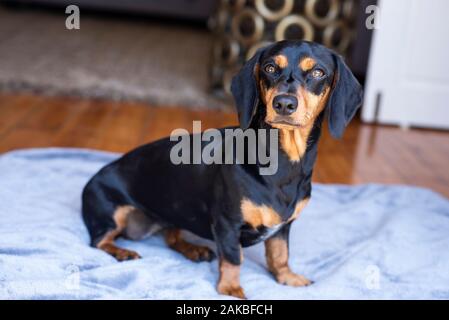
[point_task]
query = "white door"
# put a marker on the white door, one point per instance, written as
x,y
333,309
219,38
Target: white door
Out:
x,y
408,76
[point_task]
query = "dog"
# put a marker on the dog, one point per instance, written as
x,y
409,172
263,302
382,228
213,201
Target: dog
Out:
x,y
289,86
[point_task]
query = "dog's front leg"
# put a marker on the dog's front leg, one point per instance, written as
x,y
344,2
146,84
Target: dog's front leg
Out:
x,y
276,252
230,258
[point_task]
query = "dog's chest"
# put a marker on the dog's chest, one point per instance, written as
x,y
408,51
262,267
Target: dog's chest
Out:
x,y
250,236
262,221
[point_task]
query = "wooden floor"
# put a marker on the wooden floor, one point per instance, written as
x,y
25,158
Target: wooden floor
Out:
x,y
366,154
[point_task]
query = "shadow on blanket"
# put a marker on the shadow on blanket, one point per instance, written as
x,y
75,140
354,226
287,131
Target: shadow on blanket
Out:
x,y
360,242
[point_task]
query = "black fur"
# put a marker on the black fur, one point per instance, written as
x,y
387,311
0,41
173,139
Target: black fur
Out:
x,y
246,92
345,99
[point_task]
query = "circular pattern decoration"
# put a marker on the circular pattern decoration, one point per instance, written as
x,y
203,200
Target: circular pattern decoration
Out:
x,y
226,50
349,9
273,15
304,27
247,26
220,21
337,36
322,12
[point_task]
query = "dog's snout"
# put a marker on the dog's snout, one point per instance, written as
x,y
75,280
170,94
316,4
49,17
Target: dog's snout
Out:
x,y
285,105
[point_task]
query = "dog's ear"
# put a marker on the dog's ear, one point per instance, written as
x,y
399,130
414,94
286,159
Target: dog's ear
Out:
x,y
245,89
346,98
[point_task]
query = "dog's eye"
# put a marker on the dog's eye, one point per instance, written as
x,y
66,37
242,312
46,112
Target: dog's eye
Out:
x,y
270,68
317,73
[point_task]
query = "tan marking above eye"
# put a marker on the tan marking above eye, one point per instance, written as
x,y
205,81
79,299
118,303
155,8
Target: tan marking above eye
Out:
x,y
281,61
307,64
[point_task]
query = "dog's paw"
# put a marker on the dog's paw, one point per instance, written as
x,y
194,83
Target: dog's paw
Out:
x,y
199,253
124,254
290,278
235,291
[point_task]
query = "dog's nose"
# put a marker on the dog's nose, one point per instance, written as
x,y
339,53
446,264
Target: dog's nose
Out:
x,y
285,105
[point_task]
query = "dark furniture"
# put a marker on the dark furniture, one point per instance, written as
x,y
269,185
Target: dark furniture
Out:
x,y
187,9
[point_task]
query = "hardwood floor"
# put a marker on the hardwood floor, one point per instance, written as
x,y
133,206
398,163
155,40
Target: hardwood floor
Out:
x,y
366,153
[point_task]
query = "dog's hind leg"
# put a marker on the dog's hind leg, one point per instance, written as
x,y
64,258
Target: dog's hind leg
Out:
x,y
196,253
108,245
107,242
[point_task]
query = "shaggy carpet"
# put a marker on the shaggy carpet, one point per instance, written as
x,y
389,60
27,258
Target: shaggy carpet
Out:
x,y
159,63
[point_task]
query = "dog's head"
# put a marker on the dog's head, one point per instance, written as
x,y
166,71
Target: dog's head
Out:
x,y
291,82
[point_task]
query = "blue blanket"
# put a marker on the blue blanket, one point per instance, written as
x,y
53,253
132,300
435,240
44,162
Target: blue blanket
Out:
x,y
359,242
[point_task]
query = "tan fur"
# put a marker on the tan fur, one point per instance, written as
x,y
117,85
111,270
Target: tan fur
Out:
x,y
121,216
107,244
294,139
309,106
307,64
298,208
193,252
108,238
268,96
294,142
281,61
257,216
229,280
276,252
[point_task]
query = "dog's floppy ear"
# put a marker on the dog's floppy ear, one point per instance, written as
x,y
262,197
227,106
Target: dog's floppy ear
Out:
x,y
245,89
345,99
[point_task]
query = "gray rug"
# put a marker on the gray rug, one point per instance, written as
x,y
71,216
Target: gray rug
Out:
x,y
107,58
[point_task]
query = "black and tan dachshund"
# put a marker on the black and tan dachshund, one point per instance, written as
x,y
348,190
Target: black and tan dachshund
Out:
x,y
289,86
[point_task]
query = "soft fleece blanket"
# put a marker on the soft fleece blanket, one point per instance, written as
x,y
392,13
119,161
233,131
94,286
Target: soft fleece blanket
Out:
x,y
360,242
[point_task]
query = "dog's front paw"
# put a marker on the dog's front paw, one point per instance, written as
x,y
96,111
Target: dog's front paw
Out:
x,y
235,291
290,278
199,253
